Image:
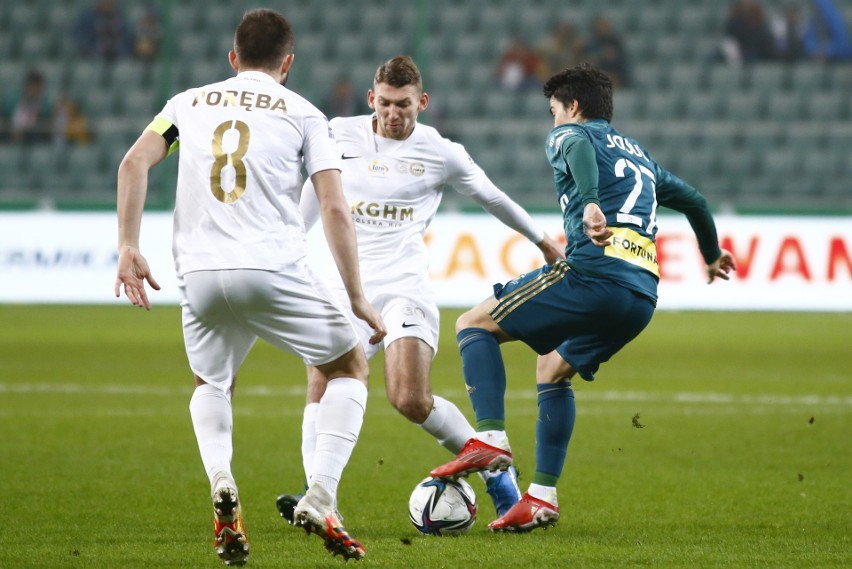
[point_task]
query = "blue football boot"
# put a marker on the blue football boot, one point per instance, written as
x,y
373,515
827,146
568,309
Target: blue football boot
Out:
x,y
503,489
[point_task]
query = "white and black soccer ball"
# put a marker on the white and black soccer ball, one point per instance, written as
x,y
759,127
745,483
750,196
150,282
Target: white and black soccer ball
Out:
x,y
442,507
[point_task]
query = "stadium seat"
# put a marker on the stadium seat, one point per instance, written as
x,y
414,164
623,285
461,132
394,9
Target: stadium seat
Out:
x,y
499,104
687,76
808,78
768,78
13,164
703,106
663,105
827,106
784,106
669,49
389,46
628,105
742,106
764,135
778,166
726,78
350,47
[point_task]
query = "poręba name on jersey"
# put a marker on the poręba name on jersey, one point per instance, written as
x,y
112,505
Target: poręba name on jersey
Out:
x,y
245,99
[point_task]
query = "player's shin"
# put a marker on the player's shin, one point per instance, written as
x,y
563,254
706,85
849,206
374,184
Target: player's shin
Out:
x,y
309,437
338,424
484,377
212,420
556,414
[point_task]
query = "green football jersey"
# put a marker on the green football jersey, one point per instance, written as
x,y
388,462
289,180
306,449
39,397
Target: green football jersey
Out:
x,y
629,187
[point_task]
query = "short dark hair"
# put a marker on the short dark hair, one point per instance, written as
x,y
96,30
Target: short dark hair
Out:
x,y
263,39
588,85
399,71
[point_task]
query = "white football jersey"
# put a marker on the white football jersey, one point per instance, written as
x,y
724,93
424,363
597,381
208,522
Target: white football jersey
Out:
x,y
242,143
394,188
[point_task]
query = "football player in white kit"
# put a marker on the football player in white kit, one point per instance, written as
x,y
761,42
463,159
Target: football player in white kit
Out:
x,y
240,256
394,174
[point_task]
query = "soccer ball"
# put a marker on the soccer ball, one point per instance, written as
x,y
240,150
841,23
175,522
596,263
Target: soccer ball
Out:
x,y
442,507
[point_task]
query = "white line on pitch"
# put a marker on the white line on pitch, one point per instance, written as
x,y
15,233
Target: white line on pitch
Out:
x,y
586,395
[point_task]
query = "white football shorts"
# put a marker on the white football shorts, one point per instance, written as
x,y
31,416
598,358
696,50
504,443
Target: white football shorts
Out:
x,y
225,311
408,309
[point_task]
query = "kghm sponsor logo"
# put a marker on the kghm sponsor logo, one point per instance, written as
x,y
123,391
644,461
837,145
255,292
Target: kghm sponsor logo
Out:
x,y
387,212
377,167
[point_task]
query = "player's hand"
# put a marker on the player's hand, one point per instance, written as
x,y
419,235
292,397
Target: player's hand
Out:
x,y
133,271
594,225
368,313
551,249
721,267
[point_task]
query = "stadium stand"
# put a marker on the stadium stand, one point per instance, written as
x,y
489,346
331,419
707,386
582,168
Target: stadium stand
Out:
x,y
765,137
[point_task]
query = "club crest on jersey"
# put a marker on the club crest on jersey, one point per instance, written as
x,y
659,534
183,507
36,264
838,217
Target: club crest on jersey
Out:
x,y
377,167
414,168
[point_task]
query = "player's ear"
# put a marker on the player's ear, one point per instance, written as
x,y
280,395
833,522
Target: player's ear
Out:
x,y
424,102
288,62
371,99
232,59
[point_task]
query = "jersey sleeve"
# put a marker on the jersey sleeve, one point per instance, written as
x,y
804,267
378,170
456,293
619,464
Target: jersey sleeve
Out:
x,y
320,149
468,178
578,152
674,193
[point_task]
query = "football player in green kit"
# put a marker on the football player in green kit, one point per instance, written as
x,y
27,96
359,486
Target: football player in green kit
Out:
x,y
579,312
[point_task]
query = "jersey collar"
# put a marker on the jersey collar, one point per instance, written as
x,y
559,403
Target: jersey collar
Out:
x,y
257,76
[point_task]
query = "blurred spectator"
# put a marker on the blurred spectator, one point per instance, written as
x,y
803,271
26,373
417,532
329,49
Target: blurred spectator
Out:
x,y
563,48
148,34
789,31
103,31
748,35
27,114
605,49
343,101
69,123
826,36
518,66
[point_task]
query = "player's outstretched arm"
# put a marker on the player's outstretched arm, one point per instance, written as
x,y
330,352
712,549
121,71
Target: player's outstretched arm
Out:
x,y
721,267
340,234
133,270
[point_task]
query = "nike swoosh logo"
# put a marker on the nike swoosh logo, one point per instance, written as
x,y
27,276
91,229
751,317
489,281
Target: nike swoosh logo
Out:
x,y
407,325
345,157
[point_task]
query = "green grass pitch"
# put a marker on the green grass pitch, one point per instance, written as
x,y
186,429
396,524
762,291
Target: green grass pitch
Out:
x,y
714,440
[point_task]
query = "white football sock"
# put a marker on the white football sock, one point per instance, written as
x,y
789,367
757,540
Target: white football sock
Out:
x,y
212,419
309,437
447,424
495,438
338,424
546,493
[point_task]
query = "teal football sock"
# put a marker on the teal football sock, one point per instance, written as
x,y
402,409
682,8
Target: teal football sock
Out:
x,y
484,376
556,413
